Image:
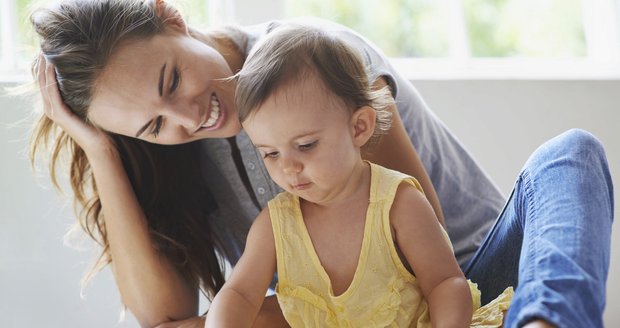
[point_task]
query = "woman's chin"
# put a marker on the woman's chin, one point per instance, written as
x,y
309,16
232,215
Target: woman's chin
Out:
x,y
229,129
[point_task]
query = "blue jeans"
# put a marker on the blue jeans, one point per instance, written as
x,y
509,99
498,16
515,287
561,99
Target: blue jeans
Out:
x,y
552,240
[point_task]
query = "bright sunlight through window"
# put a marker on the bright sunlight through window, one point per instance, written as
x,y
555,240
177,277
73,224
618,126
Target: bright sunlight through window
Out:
x,y
425,38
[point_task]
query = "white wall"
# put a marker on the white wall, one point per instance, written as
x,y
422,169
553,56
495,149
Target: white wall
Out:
x,y
500,122
39,276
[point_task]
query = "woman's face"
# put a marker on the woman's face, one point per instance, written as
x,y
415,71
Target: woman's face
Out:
x,y
168,89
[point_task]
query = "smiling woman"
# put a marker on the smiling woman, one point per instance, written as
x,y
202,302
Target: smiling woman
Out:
x,y
158,207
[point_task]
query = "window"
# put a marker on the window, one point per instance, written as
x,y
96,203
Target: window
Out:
x,y
425,38
460,29
484,38
7,33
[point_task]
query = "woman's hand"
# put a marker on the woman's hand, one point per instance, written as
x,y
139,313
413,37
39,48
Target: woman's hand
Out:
x,y
90,138
270,316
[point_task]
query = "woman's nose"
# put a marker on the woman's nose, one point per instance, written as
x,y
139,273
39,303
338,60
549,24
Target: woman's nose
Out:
x,y
187,116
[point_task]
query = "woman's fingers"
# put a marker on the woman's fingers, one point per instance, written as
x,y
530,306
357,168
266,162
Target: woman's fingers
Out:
x,y
51,91
50,85
53,105
41,78
58,106
195,322
86,135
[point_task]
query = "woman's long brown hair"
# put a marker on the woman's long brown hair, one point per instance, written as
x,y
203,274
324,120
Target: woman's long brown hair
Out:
x,y
78,37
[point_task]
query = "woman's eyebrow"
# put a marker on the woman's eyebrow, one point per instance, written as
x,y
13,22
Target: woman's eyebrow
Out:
x,y
160,87
161,80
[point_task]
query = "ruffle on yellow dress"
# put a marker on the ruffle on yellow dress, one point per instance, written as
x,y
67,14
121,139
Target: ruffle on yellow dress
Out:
x,y
382,294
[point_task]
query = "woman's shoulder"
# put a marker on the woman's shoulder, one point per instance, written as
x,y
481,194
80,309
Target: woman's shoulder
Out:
x,y
256,32
317,22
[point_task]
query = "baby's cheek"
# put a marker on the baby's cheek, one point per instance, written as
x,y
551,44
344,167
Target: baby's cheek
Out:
x,y
275,175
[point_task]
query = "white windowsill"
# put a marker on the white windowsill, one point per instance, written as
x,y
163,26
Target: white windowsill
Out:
x,y
506,69
479,69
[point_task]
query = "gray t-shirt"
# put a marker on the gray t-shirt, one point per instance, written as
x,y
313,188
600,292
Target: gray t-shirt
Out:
x,y
469,199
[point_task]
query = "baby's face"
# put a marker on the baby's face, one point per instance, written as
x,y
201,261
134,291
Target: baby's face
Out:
x,y
306,138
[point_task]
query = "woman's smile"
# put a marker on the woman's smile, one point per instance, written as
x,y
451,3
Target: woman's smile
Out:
x,y
214,118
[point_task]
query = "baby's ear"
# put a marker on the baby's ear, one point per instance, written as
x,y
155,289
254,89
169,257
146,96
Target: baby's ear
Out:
x,y
171,16
363,125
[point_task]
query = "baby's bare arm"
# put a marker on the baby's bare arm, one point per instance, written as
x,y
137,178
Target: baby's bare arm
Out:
x,y
420,238
241,298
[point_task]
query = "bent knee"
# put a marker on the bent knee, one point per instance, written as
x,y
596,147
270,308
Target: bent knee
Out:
x,y
573,149
581,142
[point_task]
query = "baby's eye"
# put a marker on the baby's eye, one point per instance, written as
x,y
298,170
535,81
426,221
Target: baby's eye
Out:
x,y
307,146
272,154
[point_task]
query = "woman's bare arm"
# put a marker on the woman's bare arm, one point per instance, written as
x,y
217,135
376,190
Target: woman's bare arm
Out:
x,y
270,316
396,152
152,288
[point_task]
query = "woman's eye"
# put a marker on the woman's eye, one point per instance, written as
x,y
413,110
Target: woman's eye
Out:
x,y
157,128
175,80
307,146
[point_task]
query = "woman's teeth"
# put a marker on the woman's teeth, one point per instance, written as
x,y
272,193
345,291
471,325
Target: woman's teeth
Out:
x,y
215,112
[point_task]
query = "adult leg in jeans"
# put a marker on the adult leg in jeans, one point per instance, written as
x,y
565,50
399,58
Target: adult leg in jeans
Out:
x,y
552,240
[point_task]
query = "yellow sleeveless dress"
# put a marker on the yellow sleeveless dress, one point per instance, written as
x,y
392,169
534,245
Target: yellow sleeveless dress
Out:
x,y
382,294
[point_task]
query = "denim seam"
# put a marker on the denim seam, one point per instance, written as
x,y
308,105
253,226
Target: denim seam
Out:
x,y
532,255
531,211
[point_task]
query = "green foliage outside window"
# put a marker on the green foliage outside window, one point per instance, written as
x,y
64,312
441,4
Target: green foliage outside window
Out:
x,y
194,11
526,28
402,28
420,28
25,34
495,28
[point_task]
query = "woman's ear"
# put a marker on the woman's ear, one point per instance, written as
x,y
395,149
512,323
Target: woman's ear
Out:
x,y
170,15
363,125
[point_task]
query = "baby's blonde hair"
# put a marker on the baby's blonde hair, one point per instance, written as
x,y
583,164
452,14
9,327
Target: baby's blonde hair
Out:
x,y
291,53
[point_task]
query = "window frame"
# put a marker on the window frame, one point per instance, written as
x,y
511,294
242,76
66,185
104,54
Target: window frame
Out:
x,y
601,25
602,33
9,68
